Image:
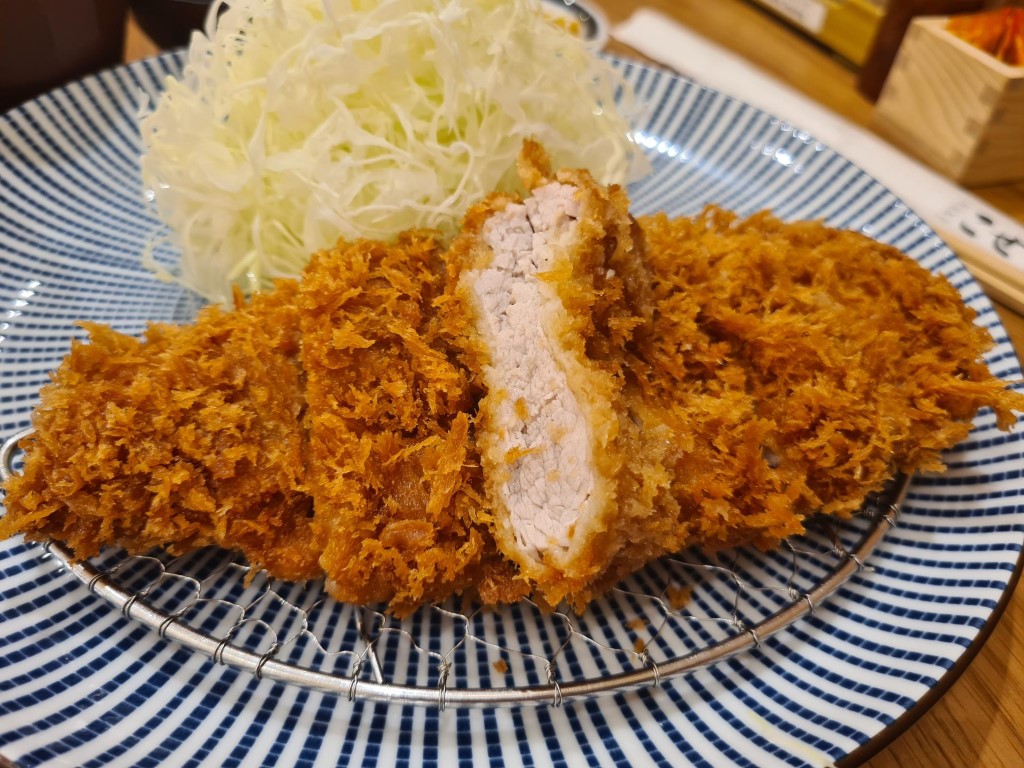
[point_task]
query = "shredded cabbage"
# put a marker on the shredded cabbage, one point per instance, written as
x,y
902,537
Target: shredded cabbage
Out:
x,y
296,122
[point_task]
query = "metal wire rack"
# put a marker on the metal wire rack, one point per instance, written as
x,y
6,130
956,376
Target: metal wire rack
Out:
x,y
676,615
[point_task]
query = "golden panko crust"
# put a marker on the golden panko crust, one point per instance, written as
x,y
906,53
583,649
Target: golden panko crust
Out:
x,y
801,367
392,467
188,438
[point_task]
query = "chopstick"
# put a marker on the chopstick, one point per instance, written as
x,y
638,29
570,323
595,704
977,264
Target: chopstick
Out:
x,y
1001,281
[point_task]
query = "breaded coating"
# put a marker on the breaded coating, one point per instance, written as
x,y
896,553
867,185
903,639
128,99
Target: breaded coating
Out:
x,y
800,367
392,467
188,438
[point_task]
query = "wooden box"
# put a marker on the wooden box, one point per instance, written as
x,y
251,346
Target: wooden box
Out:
x,y
954,106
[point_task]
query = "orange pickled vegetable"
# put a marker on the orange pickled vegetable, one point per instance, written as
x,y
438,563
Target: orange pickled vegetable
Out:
x,y
999,32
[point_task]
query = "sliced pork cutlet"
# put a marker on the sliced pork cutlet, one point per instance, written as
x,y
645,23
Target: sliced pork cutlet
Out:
x,y
189,437
392,464
554,288
800,368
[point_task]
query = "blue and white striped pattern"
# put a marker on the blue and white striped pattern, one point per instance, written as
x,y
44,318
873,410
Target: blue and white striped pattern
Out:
x,y
80,685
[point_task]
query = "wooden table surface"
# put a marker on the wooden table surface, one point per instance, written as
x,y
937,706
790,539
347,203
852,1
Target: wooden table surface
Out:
x,y
979,722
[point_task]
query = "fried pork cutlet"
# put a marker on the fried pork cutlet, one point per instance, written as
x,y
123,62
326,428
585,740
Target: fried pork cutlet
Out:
x,y
559,398
759,373
553,287
393,469
800,367
189,438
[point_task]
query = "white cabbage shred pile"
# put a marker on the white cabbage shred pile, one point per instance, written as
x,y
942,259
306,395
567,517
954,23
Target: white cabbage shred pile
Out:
x,y
296,122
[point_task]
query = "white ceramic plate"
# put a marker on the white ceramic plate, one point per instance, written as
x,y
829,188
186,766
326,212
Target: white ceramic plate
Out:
x,y
81,685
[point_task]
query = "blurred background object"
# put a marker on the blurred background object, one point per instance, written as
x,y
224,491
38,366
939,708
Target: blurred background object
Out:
x,y
845,26
891,30
865,33
46,43
169,23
